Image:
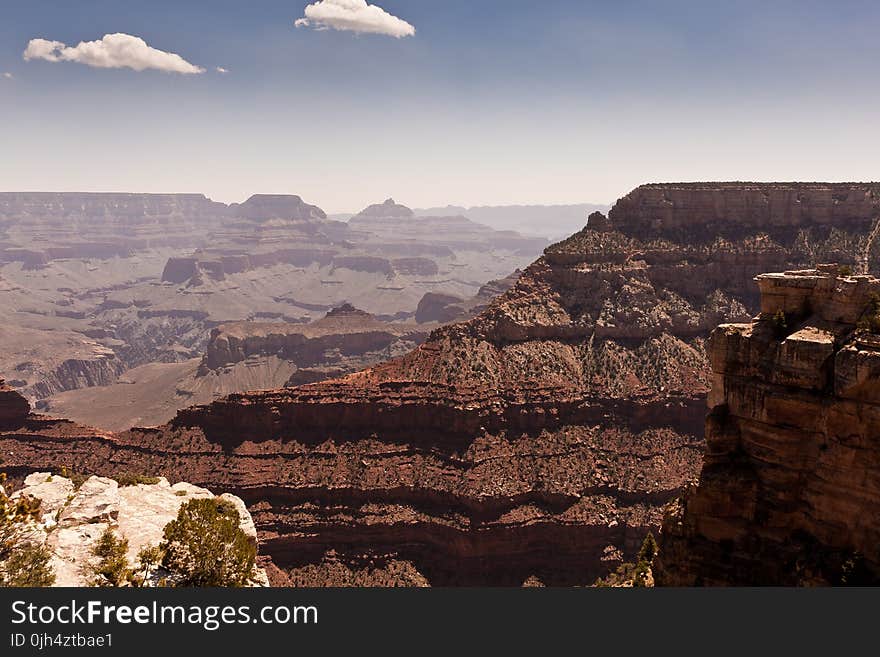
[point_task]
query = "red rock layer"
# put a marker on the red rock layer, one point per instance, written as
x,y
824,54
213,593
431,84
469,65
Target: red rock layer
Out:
x,y
530,442
711,209
14,408
789,491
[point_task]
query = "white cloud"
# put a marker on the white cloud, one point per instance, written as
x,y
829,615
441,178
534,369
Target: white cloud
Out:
x,y
112,51
354,16
222,70
8,75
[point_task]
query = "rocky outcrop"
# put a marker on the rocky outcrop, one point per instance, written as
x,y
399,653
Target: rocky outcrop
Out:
x,y
102,369
14,408
262,207
180,270
527,442
194,269
73,518
415,266
369,264
345,340
724,209
404,234
438,307
788,493
443,308
387,209
43,363
29,258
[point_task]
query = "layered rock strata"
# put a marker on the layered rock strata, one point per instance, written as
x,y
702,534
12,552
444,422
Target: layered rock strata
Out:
x,y
789,492
14,408
345,340
537,441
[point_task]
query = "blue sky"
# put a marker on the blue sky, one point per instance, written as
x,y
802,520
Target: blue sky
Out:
x,y
489,102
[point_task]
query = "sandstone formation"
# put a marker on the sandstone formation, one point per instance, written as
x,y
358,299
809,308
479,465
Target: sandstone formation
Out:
x,y
180,270
788,493
729,209
387,209
526,443
86,225
73,518
14,408
369,264
397,227
344,333
443,308
263,207
438,307
44,363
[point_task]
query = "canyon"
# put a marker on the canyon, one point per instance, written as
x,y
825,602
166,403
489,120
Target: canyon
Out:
x,y
788,493
241,356
250,355
536,441
100,289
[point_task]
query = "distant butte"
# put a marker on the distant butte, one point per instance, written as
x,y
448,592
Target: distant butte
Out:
x,y
387,209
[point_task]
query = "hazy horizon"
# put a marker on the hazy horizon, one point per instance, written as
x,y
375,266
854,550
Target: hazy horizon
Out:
x,y
310,201
345,103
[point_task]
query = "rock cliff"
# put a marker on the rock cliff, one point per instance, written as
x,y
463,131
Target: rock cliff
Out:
x,y
537,441
345,340
439,307
789,492
14,408
709,210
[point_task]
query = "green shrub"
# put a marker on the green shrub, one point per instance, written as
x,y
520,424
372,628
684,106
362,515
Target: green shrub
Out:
x,y
148,559
111,568
78,478
649,549
131,479
205,546
27,566
780,324
635,574
23,563
870,319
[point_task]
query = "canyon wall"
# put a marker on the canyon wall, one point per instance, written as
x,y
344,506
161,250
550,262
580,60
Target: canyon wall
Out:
x,y
712,209
14,408
46,226
789,490
540,439
345,340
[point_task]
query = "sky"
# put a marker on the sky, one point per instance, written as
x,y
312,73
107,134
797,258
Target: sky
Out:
x,y
433,102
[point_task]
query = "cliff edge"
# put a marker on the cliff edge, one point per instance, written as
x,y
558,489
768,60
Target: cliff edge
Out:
x,y
789,490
